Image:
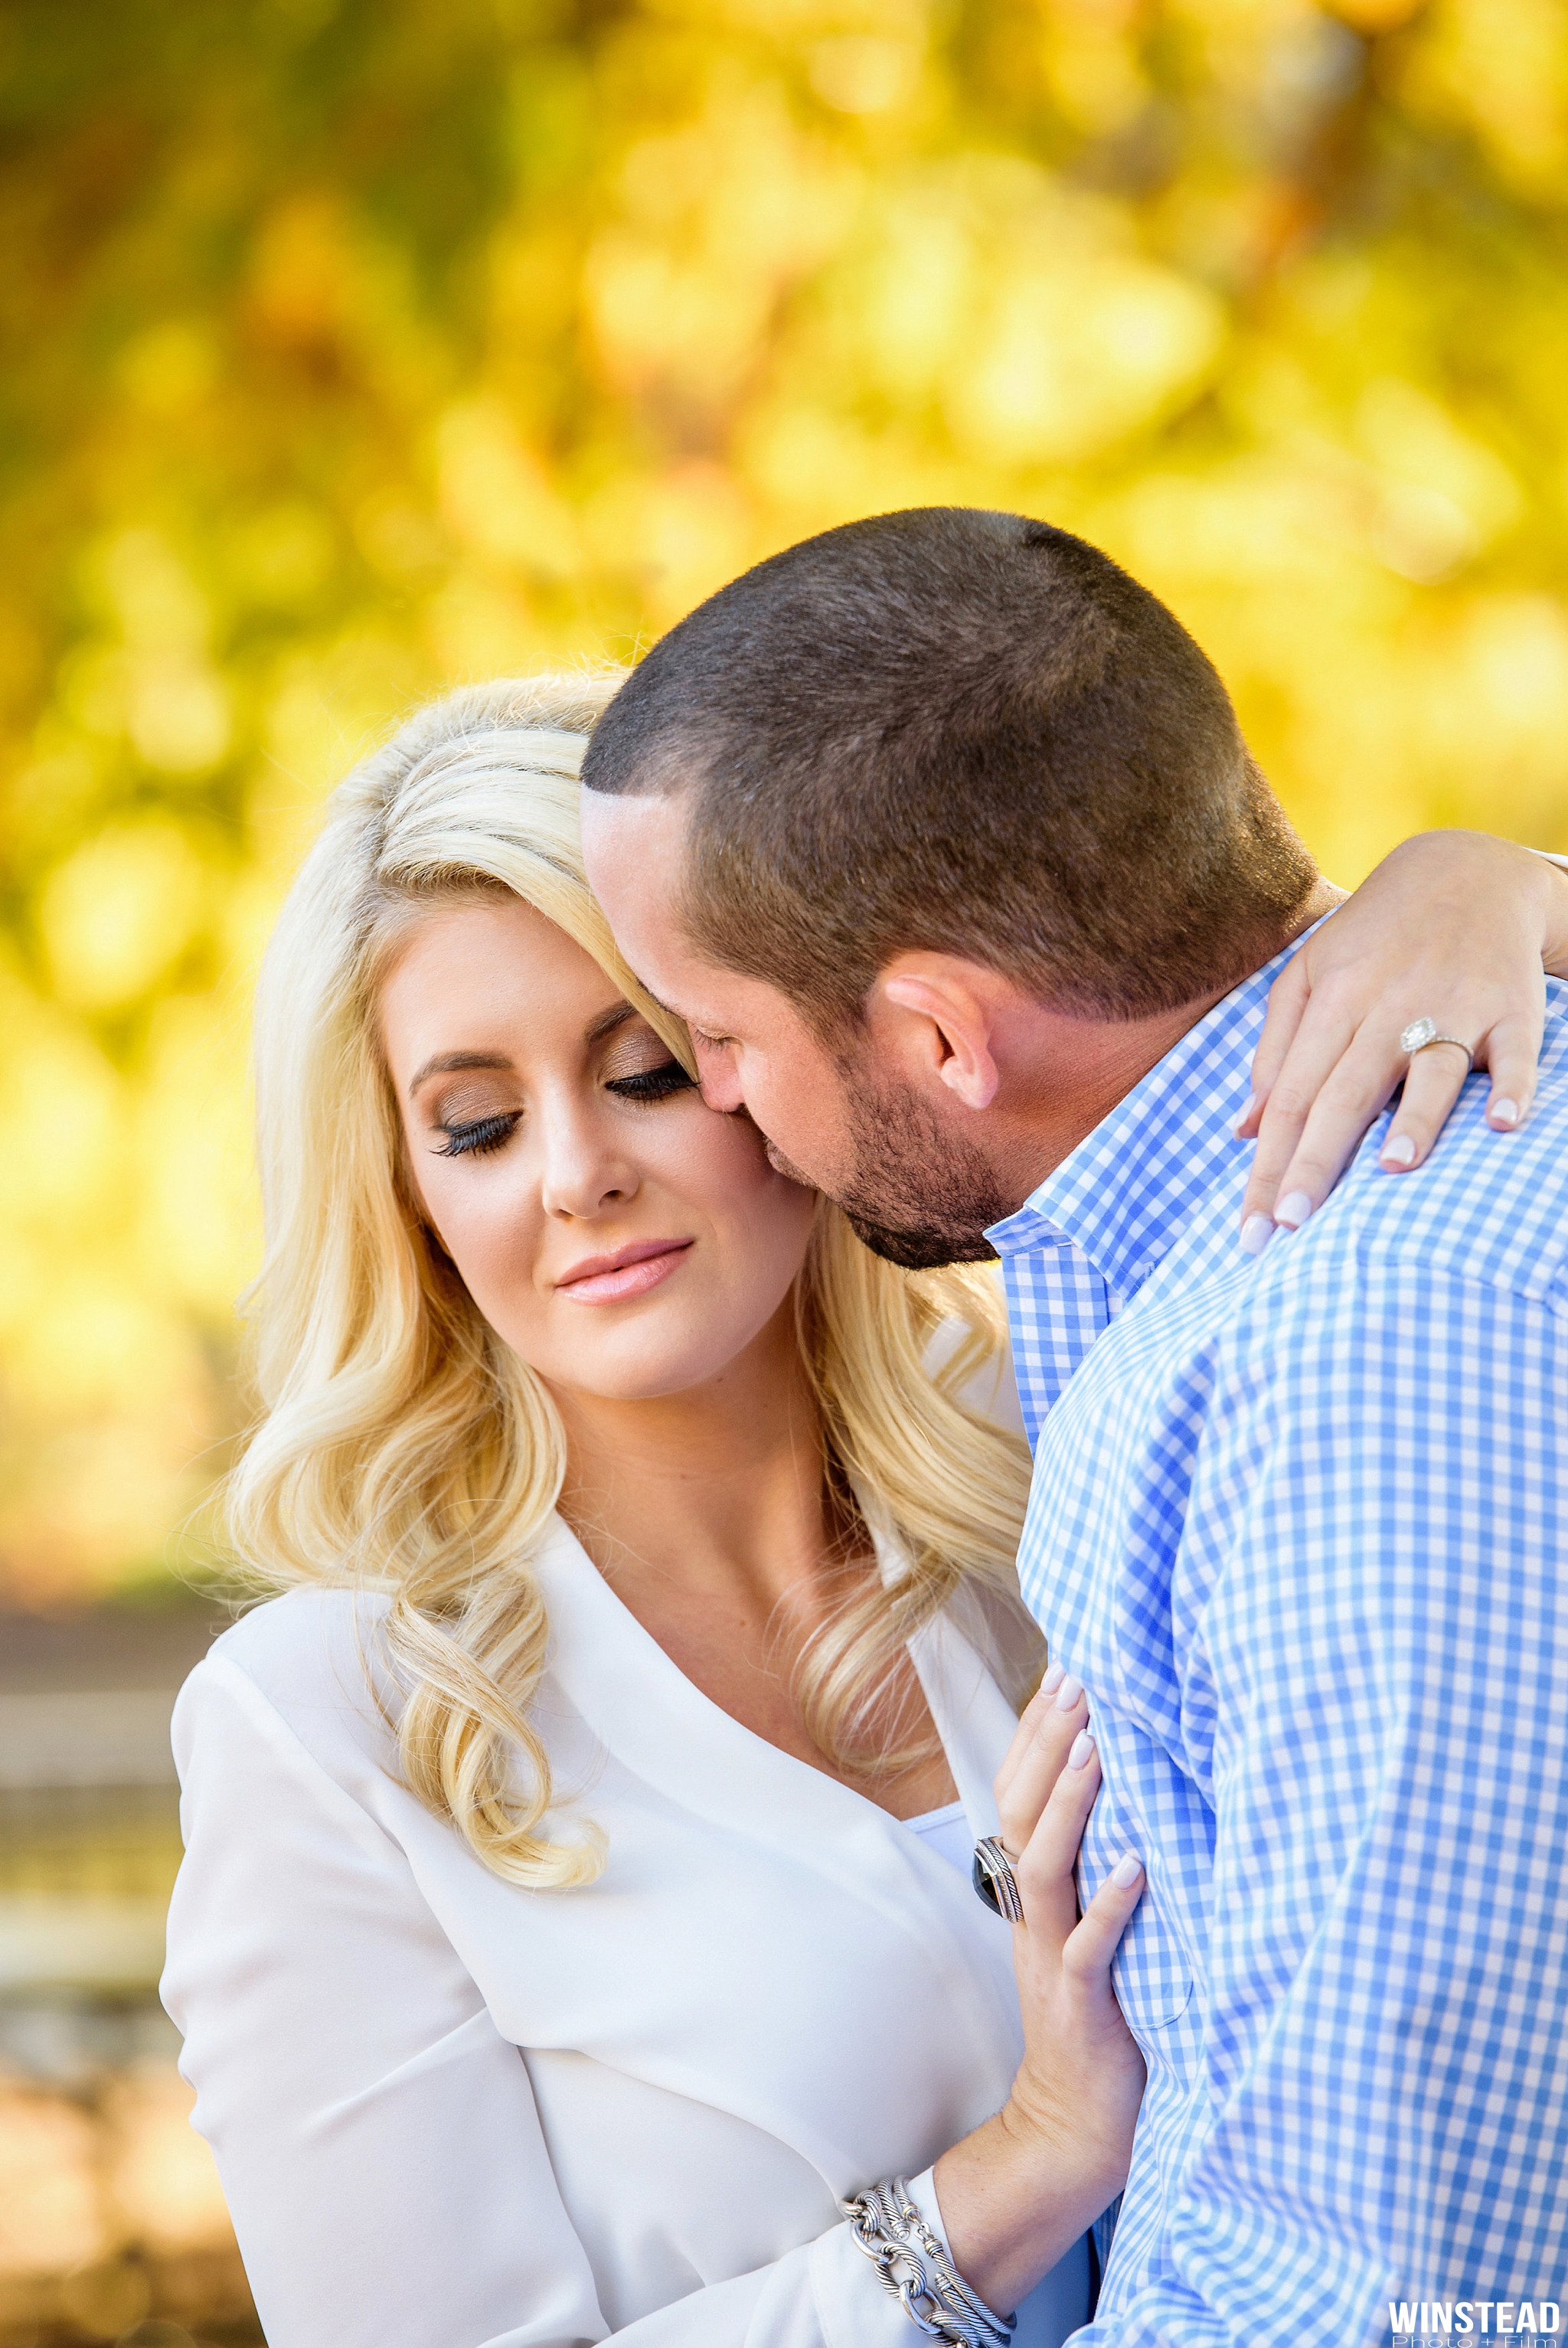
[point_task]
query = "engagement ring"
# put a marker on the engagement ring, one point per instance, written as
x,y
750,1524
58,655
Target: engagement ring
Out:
x,y
1422,1033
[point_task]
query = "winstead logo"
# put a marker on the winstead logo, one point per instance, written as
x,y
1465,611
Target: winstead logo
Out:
x,y
1430,2319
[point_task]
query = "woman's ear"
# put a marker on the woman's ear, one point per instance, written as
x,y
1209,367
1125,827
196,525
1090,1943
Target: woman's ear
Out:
x,y
942,1020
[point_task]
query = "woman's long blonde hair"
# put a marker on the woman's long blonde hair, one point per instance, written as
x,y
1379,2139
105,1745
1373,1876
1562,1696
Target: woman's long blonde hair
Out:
x,y
404,1447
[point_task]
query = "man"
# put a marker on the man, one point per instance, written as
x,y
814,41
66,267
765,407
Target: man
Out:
x,y
941,833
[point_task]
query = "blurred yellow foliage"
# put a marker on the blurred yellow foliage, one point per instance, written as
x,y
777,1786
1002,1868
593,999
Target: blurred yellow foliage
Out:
x,y
357,346
96,2194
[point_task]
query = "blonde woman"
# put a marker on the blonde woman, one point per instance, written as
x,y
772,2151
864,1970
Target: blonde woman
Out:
x,y
576,1920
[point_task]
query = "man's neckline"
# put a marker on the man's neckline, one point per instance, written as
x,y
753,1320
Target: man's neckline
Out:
x,y
1124,1194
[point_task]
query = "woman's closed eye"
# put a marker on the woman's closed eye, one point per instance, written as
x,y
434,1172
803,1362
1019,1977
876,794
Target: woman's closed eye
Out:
x,y
473,1136
651,1083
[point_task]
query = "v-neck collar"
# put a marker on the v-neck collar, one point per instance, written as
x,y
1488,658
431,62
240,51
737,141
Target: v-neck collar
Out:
x,y
647,1712
769,1819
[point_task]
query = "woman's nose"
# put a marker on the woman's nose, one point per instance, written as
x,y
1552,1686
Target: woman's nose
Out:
x,y
584,1173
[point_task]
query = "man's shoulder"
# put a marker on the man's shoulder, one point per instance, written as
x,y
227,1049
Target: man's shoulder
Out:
x,y
1488,1208
1487,1214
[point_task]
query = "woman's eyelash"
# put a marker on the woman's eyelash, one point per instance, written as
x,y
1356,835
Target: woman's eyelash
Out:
x,y
652,1084
484,1133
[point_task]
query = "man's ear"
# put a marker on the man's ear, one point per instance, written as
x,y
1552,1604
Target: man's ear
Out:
x,y
942,1017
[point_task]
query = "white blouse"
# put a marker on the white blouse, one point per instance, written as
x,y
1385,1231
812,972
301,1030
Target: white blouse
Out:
x,y
449,2113
947,1831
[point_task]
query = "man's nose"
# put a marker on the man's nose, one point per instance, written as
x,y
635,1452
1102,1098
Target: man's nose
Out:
x,y
719,1079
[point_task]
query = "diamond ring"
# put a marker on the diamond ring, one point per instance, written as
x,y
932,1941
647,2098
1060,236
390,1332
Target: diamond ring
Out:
x,y
1422,1033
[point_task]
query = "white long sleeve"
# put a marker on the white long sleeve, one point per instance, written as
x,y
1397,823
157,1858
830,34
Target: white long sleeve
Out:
x,y
379,2139
449,2113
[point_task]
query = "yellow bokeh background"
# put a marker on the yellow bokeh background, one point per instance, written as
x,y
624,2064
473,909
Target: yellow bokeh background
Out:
x,y
358,346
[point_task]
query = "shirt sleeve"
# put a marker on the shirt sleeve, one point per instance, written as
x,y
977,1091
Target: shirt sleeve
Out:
x,y
377,2137
1374,1706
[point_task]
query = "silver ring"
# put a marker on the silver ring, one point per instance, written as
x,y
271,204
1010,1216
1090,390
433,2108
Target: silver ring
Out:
x,y
1422,1033
994,1880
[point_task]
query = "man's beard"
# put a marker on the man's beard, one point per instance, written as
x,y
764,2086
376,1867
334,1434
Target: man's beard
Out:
x,y
917,1193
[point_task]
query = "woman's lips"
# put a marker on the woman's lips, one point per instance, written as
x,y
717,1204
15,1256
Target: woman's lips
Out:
x,y
630,1271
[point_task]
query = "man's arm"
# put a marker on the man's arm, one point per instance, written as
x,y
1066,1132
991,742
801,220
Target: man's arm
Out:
x,y
1386,2044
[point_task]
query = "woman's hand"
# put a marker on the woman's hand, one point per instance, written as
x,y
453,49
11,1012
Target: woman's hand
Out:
x,y
1455,927
1018,2193
1081,2079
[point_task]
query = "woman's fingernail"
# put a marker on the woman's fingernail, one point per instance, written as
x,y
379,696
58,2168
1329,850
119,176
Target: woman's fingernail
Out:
x,y
1240,1121
1069,1694
1399,1150
1083,1745
1293,1210
1126,1871
1053,1679
1504,1112
1256,1233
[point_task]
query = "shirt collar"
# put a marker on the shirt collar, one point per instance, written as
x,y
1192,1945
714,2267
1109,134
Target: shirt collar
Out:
x,y
1128,1190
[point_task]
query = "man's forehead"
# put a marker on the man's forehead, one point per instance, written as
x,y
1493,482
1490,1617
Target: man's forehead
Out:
x,y
712,998
631,849
608,816
634,846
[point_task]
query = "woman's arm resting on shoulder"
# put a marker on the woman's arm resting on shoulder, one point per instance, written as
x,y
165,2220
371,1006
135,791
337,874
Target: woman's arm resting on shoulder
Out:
x,y
1455,927
1018,2193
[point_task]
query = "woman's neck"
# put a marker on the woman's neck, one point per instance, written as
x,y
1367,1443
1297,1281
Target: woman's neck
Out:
x,y
717,1492
709,1514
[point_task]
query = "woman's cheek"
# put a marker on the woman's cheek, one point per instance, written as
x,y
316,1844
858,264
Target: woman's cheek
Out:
x,y
484,1234
768,1218
714,1159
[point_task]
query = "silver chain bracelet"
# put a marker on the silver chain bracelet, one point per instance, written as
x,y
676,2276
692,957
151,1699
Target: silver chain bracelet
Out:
x,y
912,2265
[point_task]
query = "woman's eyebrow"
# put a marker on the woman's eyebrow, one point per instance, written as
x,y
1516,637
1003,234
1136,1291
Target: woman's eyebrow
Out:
x,y
608,1021
446,1064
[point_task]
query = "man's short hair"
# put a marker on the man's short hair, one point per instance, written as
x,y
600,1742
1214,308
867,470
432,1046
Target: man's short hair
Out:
x,y
964,732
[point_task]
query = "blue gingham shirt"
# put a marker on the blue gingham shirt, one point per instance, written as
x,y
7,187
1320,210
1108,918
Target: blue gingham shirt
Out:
x,y
1297,1524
